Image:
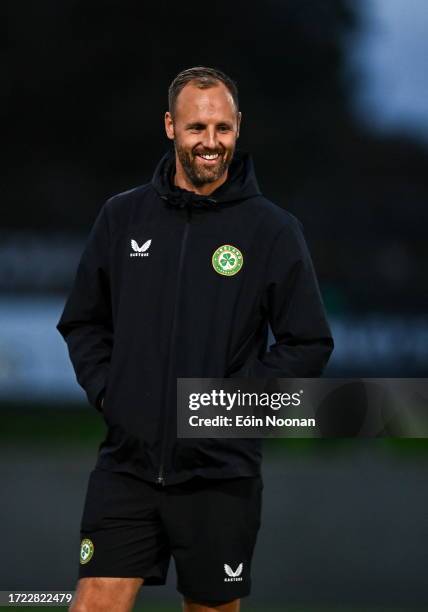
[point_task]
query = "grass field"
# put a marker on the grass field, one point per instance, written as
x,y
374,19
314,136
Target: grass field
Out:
x,y
47,436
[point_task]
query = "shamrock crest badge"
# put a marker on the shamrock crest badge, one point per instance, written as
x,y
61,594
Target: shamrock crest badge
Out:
x,y
227,260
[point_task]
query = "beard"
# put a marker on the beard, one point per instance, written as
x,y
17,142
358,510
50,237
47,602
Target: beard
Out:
x,y
196,171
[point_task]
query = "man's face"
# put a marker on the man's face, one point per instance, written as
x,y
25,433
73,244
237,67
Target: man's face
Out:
x,y
204,129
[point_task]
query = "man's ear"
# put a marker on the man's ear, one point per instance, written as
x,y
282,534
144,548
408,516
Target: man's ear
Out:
x,y
169,126
238,124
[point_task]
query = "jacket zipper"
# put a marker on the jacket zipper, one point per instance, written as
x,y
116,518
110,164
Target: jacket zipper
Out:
x,y
161,475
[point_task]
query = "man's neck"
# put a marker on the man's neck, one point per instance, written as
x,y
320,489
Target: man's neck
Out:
x,y
181,180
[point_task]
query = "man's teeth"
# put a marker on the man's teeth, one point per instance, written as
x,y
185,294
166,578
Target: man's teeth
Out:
x,y
208,156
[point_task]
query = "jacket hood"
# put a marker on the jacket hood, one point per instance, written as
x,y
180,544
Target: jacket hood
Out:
x,y
241,183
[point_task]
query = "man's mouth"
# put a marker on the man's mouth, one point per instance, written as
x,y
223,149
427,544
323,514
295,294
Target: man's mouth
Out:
x,y
208,157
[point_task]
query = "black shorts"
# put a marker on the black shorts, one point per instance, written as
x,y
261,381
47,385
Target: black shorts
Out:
x,y
131,528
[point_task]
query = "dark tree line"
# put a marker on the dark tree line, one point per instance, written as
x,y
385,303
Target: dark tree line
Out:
x,y
85,89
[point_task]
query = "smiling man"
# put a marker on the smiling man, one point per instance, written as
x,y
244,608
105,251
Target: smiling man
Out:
x,y
181,278
205,133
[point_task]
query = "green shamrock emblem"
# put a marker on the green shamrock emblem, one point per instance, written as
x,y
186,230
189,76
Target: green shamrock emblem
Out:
x,y
227,259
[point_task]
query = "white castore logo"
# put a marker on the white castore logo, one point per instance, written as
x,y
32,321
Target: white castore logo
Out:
x,y
233,576
140,251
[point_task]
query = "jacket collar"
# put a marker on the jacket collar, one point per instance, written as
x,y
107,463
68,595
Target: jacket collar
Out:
x,y
241,184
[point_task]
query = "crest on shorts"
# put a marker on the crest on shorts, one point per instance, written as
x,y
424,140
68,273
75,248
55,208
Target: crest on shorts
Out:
x,y
86,550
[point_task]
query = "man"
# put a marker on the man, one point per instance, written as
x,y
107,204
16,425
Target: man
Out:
x,y
180,278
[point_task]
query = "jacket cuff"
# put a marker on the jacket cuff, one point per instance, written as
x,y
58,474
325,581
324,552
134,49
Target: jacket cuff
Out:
x,y
95,391
99,399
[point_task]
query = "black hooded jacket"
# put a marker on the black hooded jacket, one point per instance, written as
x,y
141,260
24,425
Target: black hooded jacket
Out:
x,y
148,306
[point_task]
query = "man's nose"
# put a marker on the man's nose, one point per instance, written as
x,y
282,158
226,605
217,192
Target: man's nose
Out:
x,y
210,139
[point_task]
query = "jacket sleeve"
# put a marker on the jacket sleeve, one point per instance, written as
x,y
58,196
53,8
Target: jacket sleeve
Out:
x,y
86,322
293,303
